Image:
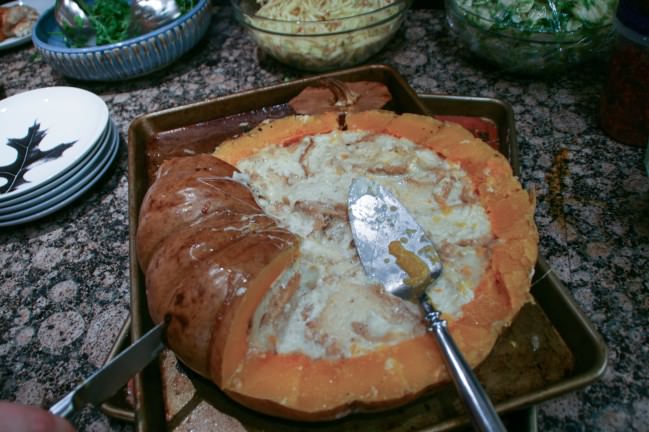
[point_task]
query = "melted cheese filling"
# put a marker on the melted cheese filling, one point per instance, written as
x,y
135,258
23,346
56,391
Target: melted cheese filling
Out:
x,y
325,306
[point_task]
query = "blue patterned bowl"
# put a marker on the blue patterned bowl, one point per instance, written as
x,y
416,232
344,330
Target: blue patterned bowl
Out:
x,y
127,59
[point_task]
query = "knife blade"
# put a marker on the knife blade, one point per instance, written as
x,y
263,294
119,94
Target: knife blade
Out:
x,y
106,381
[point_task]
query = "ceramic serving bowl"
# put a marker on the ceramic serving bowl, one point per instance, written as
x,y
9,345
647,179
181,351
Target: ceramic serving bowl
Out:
x,y
326,44
126,59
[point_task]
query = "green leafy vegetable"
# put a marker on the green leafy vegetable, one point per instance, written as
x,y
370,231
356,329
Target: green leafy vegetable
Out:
x,y
533,37
540,15
186,5
110,19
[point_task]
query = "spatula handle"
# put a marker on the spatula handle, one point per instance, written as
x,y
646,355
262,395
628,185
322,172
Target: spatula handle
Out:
x,y
483,414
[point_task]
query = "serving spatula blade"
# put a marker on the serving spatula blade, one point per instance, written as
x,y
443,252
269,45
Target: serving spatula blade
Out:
x,y
396,252
386,236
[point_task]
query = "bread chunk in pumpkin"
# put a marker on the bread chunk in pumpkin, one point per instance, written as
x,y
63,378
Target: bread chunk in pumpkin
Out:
x,y
293,320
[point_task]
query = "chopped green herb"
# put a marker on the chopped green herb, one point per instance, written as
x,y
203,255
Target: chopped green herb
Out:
x,y
186,5
110,19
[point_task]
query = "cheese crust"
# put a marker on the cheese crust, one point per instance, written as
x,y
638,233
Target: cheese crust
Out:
x,y
450,181
337,311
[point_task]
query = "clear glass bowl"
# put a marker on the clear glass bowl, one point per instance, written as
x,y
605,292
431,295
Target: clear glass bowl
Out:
x,y
526,52
323,45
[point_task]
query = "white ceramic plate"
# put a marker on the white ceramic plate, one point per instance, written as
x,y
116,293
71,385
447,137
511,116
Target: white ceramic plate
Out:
x,y
48,188
67,195
69,121
40,6
64,182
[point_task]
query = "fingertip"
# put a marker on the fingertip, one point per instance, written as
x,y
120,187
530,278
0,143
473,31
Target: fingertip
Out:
x,y
15,417
62,425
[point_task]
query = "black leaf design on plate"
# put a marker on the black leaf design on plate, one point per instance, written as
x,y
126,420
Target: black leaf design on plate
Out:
x,y
29,155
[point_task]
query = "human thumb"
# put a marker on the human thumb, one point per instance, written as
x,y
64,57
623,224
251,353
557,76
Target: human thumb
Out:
x,y
15,417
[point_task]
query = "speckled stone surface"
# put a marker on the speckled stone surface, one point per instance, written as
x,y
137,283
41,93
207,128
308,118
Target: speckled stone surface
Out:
x,y
64,280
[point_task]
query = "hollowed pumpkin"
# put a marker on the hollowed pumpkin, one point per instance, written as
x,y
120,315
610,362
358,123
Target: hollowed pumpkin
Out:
x,y
255,270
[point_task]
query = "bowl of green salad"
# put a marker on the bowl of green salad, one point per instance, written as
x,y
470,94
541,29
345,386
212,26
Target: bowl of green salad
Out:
x,y
113,54
533,37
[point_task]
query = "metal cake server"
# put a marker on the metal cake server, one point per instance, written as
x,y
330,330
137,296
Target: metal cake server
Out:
x,y
396,251
105,382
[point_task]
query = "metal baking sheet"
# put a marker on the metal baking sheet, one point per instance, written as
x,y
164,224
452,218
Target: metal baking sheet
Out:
x,y
549,350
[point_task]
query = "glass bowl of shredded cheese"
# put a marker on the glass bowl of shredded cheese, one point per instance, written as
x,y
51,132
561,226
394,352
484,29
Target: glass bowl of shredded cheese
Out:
x,y
321,35
533,37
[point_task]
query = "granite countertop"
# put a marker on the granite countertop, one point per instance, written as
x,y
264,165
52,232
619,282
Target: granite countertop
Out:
x,y
64,279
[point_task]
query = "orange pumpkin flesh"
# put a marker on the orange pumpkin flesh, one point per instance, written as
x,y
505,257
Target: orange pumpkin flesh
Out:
x,y
300,387
284,131
234,335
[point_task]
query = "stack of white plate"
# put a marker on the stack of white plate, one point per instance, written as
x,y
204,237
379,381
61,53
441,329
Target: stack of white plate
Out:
x,y
55,143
